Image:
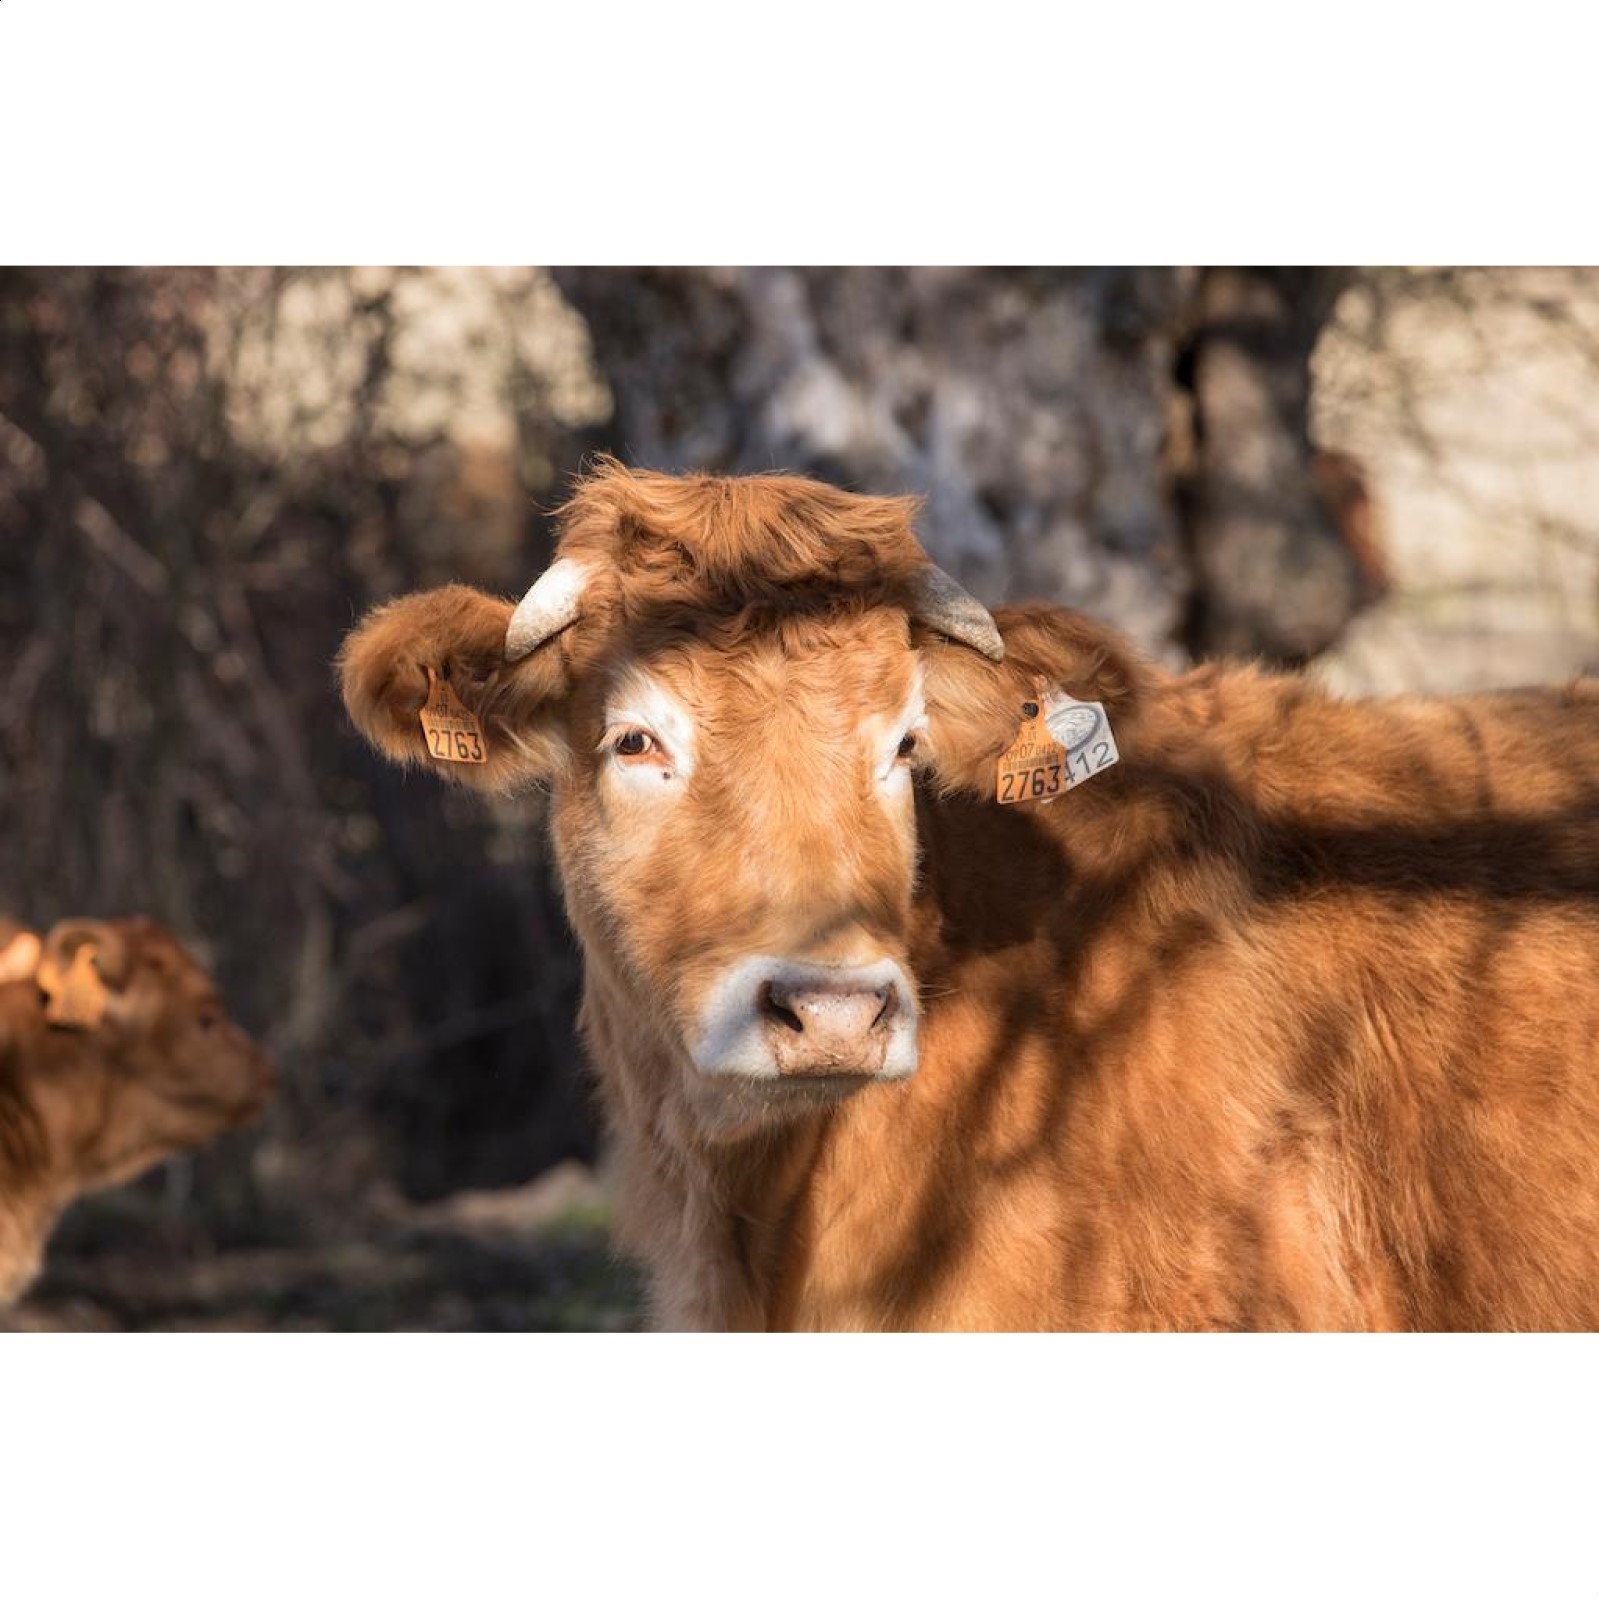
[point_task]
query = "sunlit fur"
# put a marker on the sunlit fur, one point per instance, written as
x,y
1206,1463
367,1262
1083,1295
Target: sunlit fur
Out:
x,y
19,950
1287,1021
164,1071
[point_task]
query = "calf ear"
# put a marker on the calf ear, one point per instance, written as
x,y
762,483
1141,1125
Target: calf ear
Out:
x,y
19,952
81,963
105,941
455,636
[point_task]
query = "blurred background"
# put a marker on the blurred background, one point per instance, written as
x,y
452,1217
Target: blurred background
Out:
x,y
1388,477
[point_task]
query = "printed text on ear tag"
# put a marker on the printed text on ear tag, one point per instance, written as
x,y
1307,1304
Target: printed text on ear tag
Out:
x,y
1034,767
452,732
1060,743
1083,729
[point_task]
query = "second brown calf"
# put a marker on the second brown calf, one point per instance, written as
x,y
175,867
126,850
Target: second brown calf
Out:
x,y
115,1053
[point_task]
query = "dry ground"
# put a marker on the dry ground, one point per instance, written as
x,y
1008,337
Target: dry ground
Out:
x,y
528,1260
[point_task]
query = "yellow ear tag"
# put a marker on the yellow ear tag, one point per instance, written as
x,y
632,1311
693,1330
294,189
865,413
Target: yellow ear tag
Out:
x,y
1034,767
77,997
452,732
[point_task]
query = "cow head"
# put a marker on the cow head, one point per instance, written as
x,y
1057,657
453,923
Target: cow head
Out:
x,y
143,1061
730,687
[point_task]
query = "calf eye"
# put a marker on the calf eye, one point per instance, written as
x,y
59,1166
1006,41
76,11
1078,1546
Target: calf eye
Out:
x,y
634,743
907,747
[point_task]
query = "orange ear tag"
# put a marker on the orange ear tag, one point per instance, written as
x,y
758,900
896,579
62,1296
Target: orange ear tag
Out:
x,y
452,732
77,996
1034,767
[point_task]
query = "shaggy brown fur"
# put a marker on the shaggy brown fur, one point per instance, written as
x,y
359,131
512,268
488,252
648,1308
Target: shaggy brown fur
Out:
x,y
1288,1021
163,1071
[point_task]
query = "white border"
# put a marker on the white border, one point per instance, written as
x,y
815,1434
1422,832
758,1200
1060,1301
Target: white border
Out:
x,y
1240,1466
490,131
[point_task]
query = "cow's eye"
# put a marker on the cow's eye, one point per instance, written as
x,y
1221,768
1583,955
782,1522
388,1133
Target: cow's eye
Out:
x,y
907,747
634,743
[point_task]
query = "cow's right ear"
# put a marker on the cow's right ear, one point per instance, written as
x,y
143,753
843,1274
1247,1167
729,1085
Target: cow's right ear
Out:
x,y
456,636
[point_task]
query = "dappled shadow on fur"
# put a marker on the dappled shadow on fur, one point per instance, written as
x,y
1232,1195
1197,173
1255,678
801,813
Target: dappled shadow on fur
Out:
x,y
1487,872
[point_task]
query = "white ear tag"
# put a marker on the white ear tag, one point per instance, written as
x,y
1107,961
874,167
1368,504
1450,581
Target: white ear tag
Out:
x,y
1082,729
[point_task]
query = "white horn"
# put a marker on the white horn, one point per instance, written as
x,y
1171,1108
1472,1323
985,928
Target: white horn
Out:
x,y
553,603
943,605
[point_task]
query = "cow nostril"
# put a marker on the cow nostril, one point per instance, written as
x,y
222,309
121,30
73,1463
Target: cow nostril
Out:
x,y
890,1003
773,1008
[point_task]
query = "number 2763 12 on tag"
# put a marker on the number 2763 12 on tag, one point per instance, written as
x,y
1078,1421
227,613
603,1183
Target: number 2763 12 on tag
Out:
x,y
1059,743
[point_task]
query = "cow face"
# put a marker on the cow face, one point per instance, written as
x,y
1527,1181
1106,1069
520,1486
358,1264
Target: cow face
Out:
x,y
736,835
720,680
146,1063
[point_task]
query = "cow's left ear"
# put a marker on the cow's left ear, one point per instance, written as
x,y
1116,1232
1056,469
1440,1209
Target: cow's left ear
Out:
x,y
497,724
975,704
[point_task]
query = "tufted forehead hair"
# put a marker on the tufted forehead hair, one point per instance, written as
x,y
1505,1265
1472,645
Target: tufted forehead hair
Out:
x,y
740,551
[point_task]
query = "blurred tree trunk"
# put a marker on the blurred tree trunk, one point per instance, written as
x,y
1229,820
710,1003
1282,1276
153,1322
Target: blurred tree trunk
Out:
x,y
1276,572
1043,414
174,584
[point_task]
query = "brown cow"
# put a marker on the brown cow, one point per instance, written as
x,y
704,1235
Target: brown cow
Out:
x,y
1287,1019
115,1053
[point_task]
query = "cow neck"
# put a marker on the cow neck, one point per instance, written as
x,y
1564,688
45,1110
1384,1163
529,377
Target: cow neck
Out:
x,y
24,1139
28,1205
23,1231
53,1121
743,1203
747,1201
990,877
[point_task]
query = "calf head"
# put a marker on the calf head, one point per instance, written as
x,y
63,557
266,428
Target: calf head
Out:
x,y
139,1060
729,686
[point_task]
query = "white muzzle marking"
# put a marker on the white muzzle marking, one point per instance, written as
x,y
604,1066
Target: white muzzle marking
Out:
x,y
770,1019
